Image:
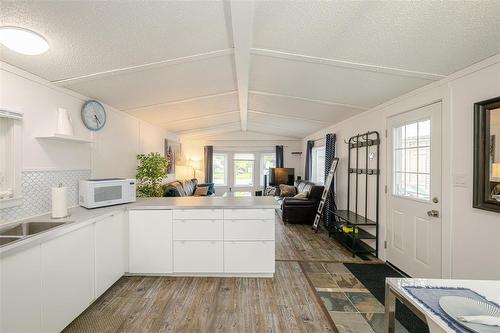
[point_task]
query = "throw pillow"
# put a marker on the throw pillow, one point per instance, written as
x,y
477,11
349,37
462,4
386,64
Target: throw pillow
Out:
x,y
201,191
211,187
301,195
287,190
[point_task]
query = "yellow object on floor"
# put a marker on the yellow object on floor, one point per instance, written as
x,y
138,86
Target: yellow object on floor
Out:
x,y
349,230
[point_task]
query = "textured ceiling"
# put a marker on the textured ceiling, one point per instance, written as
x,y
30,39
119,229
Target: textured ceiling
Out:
x,y
88,37
286,69
439,37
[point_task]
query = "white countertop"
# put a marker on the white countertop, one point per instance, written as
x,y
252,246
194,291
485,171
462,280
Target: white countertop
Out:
x,y
211,202
81,217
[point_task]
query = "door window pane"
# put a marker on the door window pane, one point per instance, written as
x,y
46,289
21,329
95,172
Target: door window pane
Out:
x,y
412,160
220,169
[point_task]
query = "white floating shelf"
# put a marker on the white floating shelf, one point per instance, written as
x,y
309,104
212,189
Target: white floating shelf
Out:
x,y
67,138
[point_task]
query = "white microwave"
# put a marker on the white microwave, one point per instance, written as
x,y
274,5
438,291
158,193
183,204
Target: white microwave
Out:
x,y
95,193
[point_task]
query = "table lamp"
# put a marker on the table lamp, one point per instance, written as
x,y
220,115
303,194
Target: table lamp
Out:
x,y
495,172
196,165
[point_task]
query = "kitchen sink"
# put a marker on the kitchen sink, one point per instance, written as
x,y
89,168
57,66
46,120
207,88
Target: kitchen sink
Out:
x,y
29,228
7,240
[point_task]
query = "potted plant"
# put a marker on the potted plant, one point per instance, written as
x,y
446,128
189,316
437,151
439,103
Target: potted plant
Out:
x,y
151,173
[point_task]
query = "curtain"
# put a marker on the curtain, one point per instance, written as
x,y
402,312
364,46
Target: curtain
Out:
x,y
208,161
308,167
330,201
280,162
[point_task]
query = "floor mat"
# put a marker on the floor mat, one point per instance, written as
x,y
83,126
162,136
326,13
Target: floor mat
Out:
x,y
372,276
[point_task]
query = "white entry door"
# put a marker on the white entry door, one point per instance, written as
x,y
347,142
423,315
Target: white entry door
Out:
x,y
414,191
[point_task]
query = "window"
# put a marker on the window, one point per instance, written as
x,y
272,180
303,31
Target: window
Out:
x,y
10,158
411,160
243,169
267,160
318,165
220,169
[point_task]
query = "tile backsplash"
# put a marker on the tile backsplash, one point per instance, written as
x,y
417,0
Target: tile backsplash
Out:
x,y
36,192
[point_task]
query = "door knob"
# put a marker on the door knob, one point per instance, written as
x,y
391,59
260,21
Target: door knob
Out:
x,y
433,213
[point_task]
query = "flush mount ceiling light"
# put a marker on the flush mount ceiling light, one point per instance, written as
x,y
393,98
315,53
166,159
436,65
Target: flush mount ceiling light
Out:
x,y
23,41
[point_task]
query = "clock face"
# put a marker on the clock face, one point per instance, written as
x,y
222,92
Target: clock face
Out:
x,y
93,115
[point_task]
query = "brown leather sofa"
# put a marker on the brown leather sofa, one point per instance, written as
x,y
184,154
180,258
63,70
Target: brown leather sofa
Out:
x,y
302,210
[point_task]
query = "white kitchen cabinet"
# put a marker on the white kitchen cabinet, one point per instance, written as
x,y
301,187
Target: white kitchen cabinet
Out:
x,y
249,214
197,214
198,257
20,292
109,252
249,257
67,265
198,230
248,230
150,241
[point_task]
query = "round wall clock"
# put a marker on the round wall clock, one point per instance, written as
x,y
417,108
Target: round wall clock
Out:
x,y
93,115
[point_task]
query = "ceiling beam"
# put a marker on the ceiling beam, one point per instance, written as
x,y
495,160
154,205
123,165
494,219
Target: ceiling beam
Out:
x,y
262,125
277,115
148,66
223,128
271,132
179,101
320,101
241,24
346,64
208,116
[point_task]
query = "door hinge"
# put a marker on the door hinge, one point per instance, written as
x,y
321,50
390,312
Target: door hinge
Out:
x,y
385,189
386,133
385,244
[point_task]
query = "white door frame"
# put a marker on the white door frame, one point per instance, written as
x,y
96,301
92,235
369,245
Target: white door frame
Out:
x,y
439,95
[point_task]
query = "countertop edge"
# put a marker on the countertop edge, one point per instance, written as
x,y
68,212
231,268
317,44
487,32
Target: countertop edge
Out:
x,y
83,217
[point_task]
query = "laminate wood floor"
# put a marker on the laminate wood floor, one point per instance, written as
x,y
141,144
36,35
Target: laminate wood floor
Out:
x,y
285,303
300,242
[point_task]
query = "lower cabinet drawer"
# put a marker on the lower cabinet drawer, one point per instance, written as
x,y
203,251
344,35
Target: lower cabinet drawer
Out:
x,y
249,257
198,256
248,230
197,214
198,230
249,214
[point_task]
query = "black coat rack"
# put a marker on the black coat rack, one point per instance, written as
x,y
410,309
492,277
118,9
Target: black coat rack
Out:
x,y
351,226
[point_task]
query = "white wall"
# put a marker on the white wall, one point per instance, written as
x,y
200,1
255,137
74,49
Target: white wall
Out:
x,y
470,236
116,145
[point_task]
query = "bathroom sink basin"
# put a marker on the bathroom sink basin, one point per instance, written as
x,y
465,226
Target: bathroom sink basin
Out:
x,y
29,228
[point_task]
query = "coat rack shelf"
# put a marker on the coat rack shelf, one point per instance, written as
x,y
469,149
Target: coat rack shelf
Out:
x,y
352,226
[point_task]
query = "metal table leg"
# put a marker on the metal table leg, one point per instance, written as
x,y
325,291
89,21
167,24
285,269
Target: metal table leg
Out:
x,y
390,309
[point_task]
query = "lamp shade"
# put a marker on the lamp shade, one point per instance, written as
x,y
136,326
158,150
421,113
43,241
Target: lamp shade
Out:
x,y
195,164
495,170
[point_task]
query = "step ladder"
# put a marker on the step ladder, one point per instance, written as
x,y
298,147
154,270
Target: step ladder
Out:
x,y
324,196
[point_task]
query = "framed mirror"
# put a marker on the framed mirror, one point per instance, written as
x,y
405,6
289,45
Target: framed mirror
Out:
x,y
487,155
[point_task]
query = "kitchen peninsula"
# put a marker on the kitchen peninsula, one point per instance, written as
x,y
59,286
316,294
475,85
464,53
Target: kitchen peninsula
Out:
x,y
209,236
